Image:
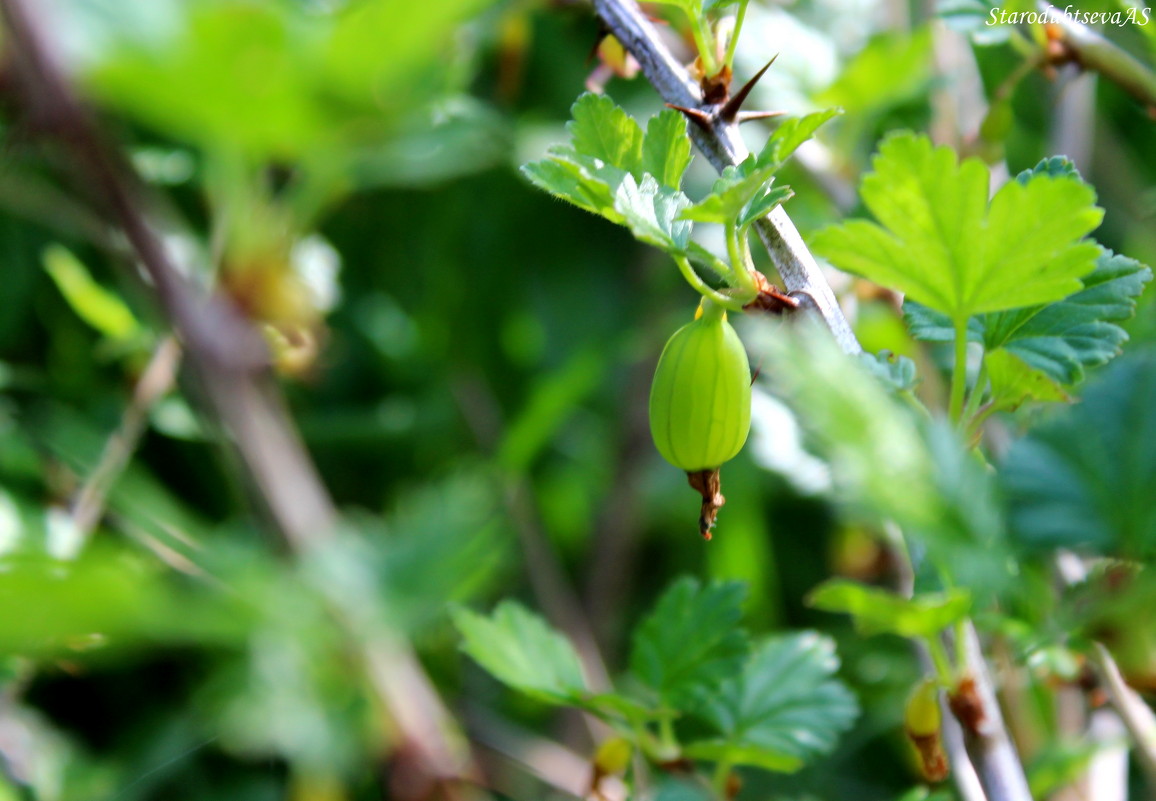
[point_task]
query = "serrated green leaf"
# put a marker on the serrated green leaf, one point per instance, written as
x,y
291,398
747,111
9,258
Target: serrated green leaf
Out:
x,y
666,148
653,213
1060,340
1065,338
739,195
581,180
564,180
690,642
784,709
1013,382
897,372
1055,166
631,183
877,611
928,325
521,650
1084,479
941,243
791,133
764,204
602,130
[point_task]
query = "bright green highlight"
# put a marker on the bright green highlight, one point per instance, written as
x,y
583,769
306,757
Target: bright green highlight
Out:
x,y
700,400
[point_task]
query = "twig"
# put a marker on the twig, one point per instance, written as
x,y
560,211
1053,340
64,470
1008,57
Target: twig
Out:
x,y
723,146
553,764
1107,774
1136,715
553,590
229,358
963,773
984,734
1093,52
155,381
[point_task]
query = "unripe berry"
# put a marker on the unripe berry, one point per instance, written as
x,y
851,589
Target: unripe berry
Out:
x,y
700,400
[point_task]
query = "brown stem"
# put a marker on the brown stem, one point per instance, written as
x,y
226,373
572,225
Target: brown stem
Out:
x,y
1093,52
229,358
984,734
154,382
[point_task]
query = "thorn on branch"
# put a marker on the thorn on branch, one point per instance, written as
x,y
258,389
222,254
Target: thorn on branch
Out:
x,y
751,116
718,106
697,116
730,108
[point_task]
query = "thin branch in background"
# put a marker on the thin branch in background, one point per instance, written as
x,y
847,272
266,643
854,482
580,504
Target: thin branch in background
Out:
x,y
1135,714
551,586
230,360
1106,778
985,736
1074,117
723,146
611,567
553,764
1079,43
963,774
552,589
156,380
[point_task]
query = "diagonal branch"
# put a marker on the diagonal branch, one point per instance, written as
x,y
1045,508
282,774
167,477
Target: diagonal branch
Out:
x,y
1093,52
985,735
229,358
723,146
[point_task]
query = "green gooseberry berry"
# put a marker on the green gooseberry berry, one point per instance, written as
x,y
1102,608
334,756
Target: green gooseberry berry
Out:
x,y
700,399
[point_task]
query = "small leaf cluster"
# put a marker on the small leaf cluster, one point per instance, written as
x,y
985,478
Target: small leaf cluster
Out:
x,y
701,14
697,686
631,177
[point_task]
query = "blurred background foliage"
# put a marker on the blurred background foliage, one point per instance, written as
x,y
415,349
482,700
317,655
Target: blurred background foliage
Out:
x,y
468,362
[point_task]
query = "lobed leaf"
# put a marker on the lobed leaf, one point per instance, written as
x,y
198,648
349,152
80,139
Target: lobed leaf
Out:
x,y
691,642
940,242
604,131
612,169
666,149
783,709
1084,479
877,611
1013,382
1058,341
653,214
741,194
790,134
522,651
